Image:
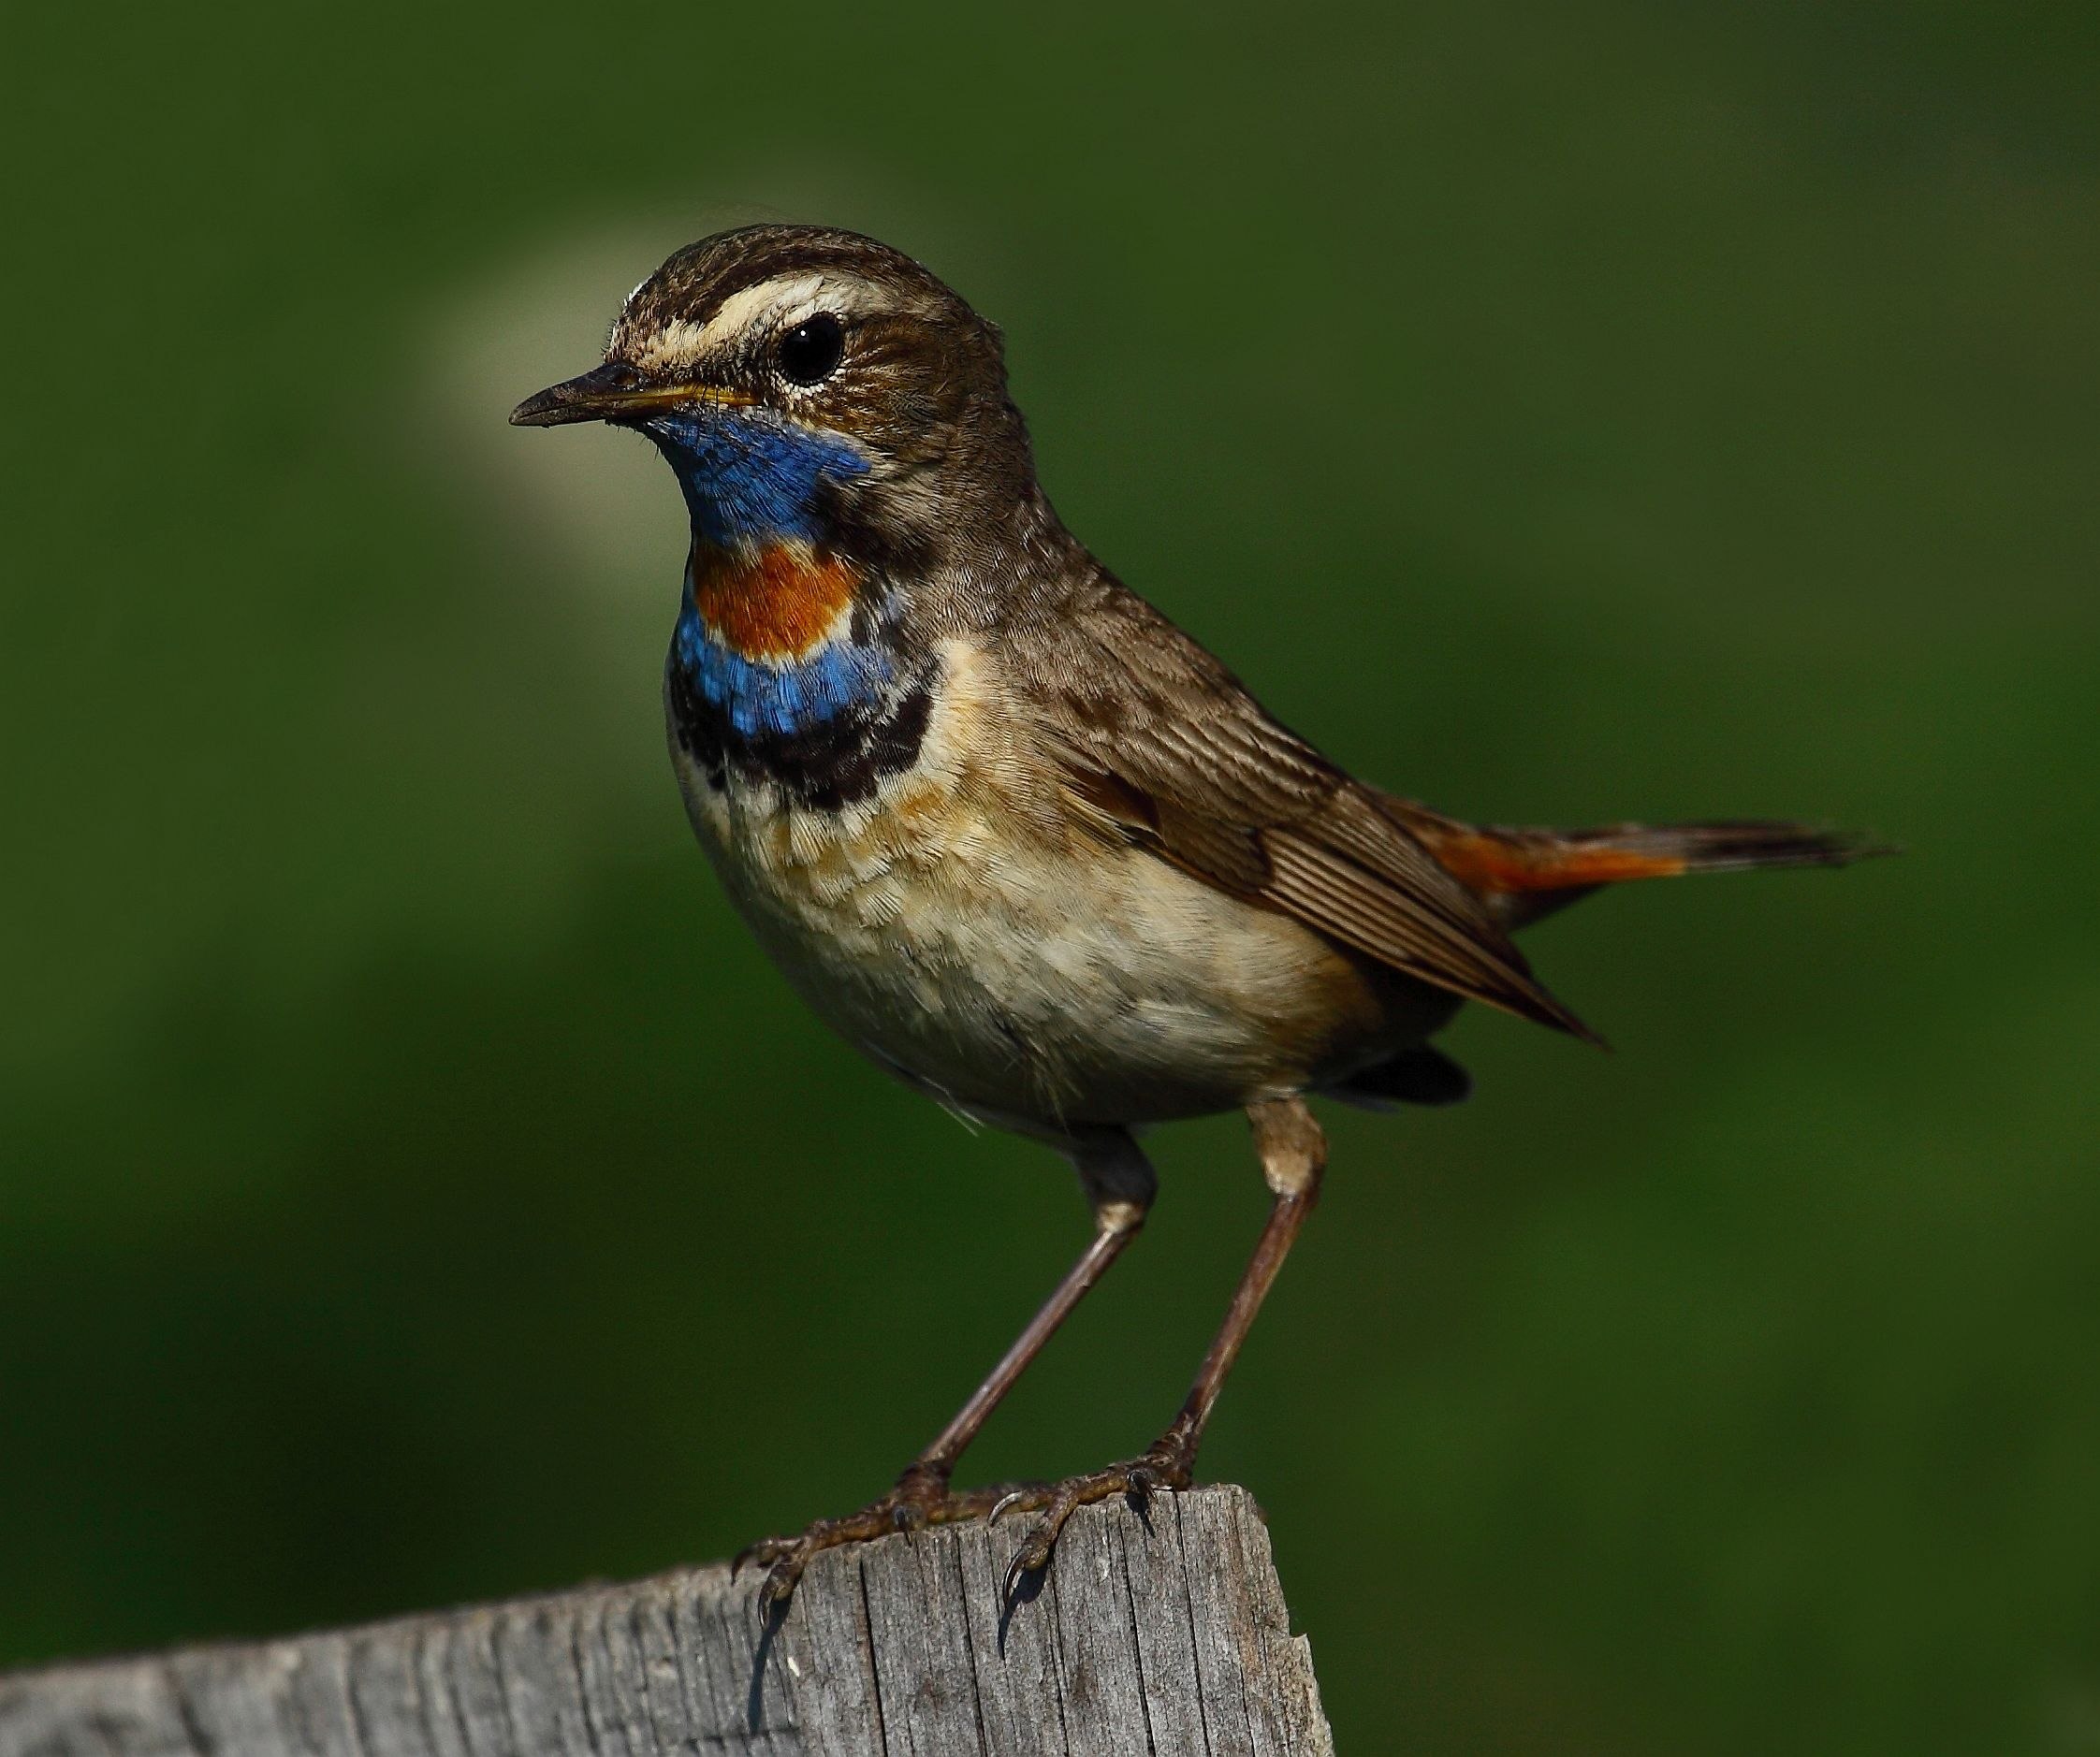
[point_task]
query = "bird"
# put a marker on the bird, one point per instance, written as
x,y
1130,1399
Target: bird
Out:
x,y
1010,831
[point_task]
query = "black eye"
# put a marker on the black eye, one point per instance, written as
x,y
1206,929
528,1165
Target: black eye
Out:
x,y
809,352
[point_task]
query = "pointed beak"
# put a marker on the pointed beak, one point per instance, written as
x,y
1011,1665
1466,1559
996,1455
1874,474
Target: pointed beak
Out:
x,y
612,392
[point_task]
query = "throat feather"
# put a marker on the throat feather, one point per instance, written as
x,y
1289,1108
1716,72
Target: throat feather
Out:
x,y
827,724
780,604
779,645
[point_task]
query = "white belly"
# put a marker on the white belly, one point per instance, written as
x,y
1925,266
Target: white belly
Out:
x,y
1036,977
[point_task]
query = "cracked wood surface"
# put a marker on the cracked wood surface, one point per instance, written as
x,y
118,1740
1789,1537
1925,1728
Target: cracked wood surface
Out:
x,y
1164,1634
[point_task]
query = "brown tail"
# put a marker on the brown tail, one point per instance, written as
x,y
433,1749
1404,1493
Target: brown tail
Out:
x,y
1530,873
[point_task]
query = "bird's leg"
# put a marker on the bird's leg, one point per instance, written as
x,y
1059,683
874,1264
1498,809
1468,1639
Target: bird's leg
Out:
x,y
1119,1185
1293,1153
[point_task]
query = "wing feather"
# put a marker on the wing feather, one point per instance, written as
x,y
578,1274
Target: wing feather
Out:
x,y
1155,736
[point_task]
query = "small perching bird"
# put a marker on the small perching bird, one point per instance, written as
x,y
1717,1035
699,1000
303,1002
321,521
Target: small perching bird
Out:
x,y
1010,831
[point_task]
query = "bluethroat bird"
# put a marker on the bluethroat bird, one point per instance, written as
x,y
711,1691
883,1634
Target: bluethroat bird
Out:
x,y
1006,828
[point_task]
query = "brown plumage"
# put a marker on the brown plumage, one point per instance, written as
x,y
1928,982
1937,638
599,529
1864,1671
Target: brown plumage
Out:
x,y
1009,830
1157,733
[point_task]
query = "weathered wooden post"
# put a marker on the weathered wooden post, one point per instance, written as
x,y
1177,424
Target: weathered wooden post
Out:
x,y
1164,1634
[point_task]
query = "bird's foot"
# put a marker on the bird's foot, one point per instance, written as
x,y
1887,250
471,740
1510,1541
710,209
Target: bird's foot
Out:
x,y
1170,1463
921,1498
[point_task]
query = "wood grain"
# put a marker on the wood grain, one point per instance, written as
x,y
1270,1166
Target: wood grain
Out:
x,y
1164,1634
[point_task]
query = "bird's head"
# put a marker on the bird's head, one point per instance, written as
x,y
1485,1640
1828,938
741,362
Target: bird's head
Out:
x,y
811,386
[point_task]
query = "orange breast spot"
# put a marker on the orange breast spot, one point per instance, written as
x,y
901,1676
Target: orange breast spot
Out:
x,y
777,604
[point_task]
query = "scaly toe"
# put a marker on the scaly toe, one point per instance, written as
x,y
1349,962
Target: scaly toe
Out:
x,y
780,1580
1026,1496
919,1500
763,1554
1140,1478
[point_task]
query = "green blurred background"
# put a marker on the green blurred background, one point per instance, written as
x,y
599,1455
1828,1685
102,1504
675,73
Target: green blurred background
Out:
x,y
414,1185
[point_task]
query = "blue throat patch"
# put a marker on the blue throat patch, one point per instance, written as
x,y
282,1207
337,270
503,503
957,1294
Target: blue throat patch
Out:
x,y
760,697
752,477
827,722
827,726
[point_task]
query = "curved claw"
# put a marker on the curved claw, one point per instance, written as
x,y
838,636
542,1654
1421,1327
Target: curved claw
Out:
x,y
779,1588
761,1554
1010,1587
1141,1479
1034,1554
921,1498
1035,1551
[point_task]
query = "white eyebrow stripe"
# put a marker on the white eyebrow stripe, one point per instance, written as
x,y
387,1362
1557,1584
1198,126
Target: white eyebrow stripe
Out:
x,y
784,300
741,310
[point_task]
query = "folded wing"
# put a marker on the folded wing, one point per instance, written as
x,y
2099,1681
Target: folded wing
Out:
x,y
1161,744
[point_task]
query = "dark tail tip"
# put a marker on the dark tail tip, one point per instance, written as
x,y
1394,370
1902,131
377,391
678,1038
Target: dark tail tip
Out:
x,y
1749,845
